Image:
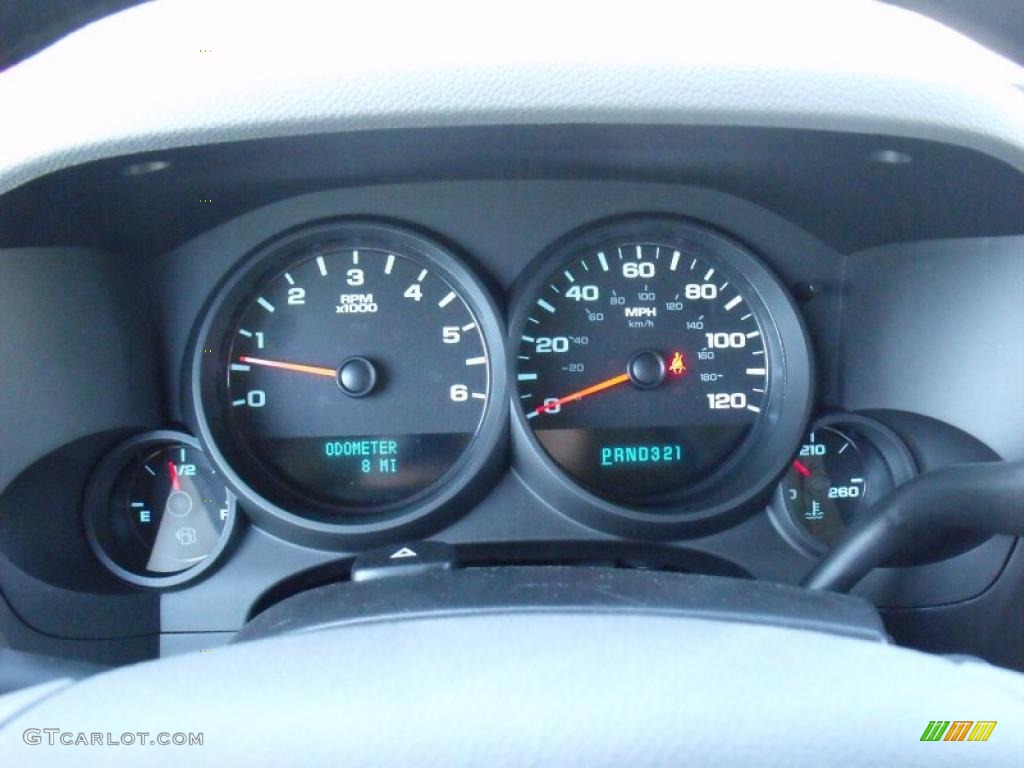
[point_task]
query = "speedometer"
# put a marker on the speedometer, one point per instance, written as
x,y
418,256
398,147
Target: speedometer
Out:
x,y
347,377
652,367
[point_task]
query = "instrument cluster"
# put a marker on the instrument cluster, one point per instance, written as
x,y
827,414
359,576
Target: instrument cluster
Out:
x,y
354,382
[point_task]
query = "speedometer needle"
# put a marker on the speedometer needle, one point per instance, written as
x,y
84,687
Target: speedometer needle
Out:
x,y
614,381
312,369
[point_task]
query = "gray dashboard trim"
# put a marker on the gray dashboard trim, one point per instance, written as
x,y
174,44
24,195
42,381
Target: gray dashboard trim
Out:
x,y
146,80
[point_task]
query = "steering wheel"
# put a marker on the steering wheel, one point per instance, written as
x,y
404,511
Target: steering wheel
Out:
x,y
534,666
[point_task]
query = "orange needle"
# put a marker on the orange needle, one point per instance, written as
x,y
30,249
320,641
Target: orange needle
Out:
x,y
614,381
316,371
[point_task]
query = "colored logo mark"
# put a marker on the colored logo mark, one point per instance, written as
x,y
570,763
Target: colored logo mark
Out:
x,y
958,730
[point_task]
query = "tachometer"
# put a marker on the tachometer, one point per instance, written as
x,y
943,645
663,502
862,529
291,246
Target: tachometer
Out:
x,y
347,375
651,369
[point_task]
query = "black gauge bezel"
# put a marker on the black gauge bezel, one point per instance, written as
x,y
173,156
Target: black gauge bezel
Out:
x,y
325,525
743,482
97,503
870,435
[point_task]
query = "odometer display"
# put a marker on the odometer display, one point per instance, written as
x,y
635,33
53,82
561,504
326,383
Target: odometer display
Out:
x,y
642,367
353,374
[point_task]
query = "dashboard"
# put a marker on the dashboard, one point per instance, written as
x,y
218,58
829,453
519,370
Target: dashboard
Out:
x,y
548,379
277,373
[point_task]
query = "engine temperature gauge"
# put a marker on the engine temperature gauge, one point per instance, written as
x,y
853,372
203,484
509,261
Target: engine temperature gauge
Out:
x,y
158,511
845,464
826,483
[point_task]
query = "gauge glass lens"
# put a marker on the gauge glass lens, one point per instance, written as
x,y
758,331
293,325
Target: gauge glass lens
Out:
x,y
642,368
826,484
355,378
168,510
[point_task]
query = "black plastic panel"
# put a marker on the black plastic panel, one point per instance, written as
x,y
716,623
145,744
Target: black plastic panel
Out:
x,y
937,328
827,183
78,352
48,574
97,339
580,589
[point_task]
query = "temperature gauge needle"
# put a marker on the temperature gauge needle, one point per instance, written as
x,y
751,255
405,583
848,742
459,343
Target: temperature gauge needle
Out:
x,y
614,381
800,467
296,367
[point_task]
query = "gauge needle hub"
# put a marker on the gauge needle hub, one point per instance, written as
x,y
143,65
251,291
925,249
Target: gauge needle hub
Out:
x,y
294,367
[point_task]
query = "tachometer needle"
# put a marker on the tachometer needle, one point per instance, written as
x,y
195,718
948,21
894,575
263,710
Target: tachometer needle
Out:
x,y
312,369
175,482
614,381
800,467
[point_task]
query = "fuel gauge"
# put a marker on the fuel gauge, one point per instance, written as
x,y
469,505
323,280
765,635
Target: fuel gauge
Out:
x,y
157,511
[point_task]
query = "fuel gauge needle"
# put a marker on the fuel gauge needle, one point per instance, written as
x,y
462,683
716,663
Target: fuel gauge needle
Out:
x,y
296,367
175,482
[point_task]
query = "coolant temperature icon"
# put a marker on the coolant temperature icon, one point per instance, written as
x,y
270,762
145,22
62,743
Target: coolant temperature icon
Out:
x,y
815,512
